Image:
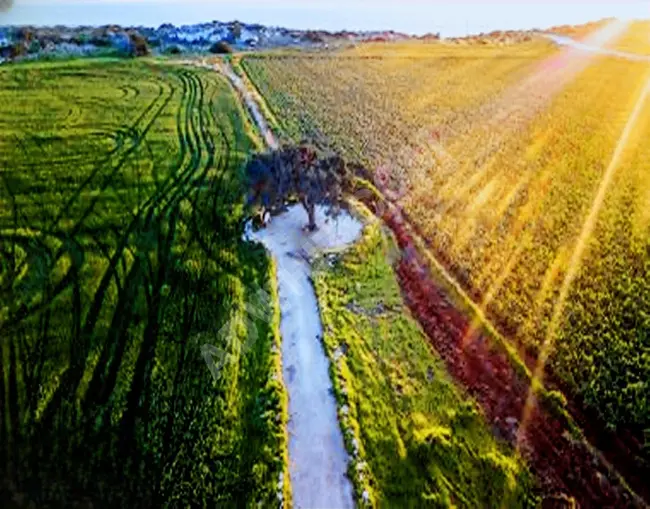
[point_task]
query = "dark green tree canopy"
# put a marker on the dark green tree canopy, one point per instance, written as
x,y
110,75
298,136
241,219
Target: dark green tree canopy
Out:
x,y
302,172
139,45
220,48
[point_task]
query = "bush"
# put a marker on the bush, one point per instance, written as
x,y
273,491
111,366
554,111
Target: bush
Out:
x,y
18,50
100,42
221,48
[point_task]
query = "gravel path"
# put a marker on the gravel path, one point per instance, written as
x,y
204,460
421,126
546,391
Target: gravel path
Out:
x,y
317,455
251,104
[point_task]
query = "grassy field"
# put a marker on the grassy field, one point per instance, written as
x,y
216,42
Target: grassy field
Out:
x,y
422,442
121,204
531,188
635,40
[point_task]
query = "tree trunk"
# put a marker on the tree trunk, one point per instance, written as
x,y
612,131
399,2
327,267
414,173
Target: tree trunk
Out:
x,y
311,213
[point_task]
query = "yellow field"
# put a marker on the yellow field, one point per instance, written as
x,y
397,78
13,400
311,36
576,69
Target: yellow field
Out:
x,y
636,39
526,168
378,94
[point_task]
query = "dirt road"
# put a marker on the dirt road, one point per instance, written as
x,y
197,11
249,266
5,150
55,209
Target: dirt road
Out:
x,y
318,460
562,40
250,102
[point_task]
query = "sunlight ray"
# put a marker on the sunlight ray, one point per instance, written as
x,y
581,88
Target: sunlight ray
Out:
x,y
576,259
493,291
511,113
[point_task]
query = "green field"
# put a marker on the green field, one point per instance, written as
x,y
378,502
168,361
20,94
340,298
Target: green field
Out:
x,y
121,204
423,442
529,187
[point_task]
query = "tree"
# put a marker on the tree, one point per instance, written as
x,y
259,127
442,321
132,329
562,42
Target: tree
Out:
x,y
173,50
24,42
302,172
221,48
138,44
236,30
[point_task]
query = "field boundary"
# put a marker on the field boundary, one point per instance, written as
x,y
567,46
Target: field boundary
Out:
x,y
553,402
284,483
480,324
266,110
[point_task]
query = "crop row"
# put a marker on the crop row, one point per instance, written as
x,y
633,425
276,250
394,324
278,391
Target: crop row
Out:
x,y
497,156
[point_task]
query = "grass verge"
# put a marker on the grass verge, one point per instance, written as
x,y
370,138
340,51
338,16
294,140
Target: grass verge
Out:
x,y
415,438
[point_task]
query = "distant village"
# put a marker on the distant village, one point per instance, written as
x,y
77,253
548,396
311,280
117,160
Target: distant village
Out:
x,y
29,42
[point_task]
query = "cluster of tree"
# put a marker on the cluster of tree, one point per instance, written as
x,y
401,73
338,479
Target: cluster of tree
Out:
x,y
173,50
25,43
314,36
303,172
28,40
236,30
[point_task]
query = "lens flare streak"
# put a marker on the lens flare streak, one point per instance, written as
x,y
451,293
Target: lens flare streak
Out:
x,y
578,254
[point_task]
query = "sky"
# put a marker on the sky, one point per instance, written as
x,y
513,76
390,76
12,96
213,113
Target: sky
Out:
x,y
448,17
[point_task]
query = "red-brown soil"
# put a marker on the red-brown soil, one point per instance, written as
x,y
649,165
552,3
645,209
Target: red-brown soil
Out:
x,y
563,465
622,448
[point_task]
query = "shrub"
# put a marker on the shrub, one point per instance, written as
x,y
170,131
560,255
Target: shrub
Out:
x,y
221,48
